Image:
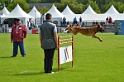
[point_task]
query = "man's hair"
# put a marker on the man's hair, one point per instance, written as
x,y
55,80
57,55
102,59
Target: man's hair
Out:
x,y
16,20
48,16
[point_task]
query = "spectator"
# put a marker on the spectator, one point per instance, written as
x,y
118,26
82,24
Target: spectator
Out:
x,y
110,20
61,22
83,24
75,20
80,21
107,20
6,28
3,28
93,23
64,20
96,23
101,23
31,24
68,24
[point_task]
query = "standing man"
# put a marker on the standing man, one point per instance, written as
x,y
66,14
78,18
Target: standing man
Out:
x,y
3,28
18,34
48,39
80,20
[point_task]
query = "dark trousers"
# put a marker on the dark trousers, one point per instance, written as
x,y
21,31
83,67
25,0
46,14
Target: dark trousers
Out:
x,y
15,48
48,60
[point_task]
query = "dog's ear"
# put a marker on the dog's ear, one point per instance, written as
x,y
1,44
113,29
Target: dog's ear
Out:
x,y
70,25
67,28
98,26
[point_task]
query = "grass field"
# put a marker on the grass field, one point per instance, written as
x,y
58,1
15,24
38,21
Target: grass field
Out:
x,y
94,61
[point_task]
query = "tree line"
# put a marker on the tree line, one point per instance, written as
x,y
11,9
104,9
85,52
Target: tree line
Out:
x,y
77,6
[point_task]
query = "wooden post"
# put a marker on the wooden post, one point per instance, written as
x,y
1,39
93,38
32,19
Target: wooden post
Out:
x,y
72,51
58,54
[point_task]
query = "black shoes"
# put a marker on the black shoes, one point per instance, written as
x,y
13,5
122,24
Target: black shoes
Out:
x,y
13,56
22,56
49,72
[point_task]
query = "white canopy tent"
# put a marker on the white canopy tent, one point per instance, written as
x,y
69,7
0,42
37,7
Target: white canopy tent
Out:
x,y
67,10
56,14
112,10
94,17
36,14
5,11
18,13
89,15
89,10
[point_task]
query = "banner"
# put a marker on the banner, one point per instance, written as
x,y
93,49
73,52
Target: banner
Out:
x,y
119,27
65,54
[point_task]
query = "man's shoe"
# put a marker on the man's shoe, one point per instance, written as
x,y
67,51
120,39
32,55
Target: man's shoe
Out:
x,y
49,72
23,55
13,56
52,72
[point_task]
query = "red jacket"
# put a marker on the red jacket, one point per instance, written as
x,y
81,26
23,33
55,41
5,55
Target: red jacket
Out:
x,y
18,34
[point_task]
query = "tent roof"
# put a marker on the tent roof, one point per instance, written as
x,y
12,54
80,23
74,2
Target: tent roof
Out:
x,y
34,12
55,12
17,12
5,11
112,10
67,10
89,10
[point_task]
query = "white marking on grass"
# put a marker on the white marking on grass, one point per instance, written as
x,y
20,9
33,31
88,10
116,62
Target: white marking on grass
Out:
x,y
29,71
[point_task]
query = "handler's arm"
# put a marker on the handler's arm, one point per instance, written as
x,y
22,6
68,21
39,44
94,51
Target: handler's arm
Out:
x,y
12,35
25,32
56,39
40,38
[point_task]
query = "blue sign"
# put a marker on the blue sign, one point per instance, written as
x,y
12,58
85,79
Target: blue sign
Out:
x,y
119,27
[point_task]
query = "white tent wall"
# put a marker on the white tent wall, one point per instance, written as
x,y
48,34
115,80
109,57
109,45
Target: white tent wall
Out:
x,y
22,20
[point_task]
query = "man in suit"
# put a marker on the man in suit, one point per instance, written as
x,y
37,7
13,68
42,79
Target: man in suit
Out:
x,y
48,39
18,34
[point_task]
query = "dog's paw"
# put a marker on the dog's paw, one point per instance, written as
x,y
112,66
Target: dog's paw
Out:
x,y
101,40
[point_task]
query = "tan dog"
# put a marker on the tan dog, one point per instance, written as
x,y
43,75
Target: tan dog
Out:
x,y
86,31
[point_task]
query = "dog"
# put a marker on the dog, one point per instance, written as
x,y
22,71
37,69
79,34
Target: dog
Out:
x,y
91,31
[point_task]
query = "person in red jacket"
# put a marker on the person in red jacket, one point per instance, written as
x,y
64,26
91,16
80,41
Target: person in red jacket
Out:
x,y
18,34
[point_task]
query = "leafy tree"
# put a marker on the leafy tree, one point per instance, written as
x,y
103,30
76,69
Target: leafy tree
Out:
x,y
68,1
118,5
43,10
23,4
32,1
77,8
42,1
74,6
82,1
60,6
94,5
4,3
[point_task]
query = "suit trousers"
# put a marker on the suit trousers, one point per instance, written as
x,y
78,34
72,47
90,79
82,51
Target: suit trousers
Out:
x,y
48,59
15,48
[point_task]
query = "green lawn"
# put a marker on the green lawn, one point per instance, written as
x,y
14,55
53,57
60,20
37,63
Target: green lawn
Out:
x,y
94,61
